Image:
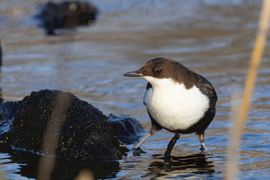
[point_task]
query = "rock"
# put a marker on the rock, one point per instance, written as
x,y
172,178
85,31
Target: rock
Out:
x,y
84,132
127,129
7,114
66,14
86,137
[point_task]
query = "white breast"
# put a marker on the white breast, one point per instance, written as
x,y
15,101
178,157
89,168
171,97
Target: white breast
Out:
x,y
172,105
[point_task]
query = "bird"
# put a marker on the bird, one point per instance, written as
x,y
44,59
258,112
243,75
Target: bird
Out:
x,y
177,99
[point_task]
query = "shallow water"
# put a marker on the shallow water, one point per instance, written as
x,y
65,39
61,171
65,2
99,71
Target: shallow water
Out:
x,y
211,37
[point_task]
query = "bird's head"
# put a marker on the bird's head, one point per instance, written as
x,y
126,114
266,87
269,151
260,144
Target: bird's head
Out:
x,y
156,68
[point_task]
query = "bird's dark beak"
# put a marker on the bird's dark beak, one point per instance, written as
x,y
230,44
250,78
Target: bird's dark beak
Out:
x,y
137,73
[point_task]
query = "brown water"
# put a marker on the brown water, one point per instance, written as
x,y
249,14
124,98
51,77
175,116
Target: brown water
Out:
x,y
212,37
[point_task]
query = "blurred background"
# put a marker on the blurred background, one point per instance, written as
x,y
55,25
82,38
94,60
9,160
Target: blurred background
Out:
x,y
212,37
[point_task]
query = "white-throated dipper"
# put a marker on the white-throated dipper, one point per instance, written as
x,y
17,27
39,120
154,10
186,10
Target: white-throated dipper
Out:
x,y
177,99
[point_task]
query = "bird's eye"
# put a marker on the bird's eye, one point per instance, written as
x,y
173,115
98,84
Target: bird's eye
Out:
x,y
158,70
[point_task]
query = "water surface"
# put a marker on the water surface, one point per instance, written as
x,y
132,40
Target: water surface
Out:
x,y
211,37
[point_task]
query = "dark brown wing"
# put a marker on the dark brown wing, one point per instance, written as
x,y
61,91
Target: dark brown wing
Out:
x,y
206,88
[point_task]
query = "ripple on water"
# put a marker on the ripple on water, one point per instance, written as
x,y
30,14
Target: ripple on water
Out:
x,y
212,37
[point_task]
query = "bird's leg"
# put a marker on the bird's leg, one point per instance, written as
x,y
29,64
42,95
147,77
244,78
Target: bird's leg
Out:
x,y
142,140
170,146
136,148
201,138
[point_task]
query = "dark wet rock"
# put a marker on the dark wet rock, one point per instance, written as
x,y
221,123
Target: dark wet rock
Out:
x,y
66,14
7,114
8,110
85,132
84,135
127,129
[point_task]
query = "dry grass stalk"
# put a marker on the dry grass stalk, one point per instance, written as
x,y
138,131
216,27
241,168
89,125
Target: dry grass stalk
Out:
x,y
85,175
237,129
50,142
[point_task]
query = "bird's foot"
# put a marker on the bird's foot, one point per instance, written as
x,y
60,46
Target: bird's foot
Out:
x,y
137,151
203,147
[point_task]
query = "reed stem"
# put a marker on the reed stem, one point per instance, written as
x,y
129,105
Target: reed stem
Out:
x,y
255,61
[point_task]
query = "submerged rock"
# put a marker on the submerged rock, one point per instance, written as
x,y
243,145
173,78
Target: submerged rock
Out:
x,y
84,132
66,14
7,112
127,129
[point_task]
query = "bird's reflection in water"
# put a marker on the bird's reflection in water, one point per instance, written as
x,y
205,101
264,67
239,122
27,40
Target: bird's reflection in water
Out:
x,y
181,166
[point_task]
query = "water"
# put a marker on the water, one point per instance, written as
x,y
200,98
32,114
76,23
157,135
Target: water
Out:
x,y
212,37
